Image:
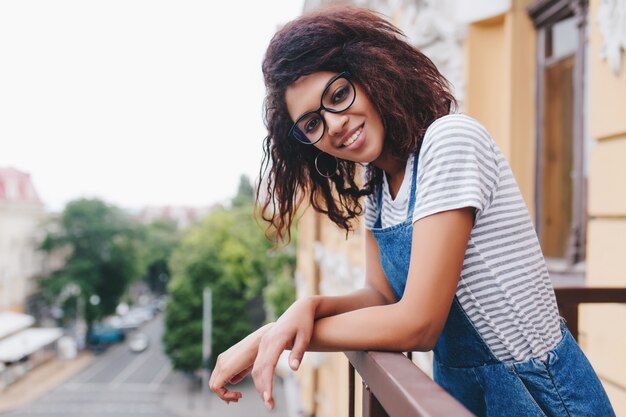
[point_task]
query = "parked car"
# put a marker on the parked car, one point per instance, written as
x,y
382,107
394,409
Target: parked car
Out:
x,y
138,342
102,335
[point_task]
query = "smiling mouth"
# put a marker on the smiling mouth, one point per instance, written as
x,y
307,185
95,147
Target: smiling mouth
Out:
x,y
352,138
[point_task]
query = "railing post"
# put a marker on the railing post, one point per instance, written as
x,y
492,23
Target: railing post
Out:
x,y
371,406
570,313
351,377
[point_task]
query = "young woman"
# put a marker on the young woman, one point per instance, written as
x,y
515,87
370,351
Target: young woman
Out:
x,y
452,260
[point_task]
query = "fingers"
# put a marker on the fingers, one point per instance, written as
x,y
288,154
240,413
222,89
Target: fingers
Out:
x,y
241,375
217,384
297,351
226,395
263,371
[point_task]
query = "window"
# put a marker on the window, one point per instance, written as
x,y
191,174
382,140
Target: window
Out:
x,y
560,184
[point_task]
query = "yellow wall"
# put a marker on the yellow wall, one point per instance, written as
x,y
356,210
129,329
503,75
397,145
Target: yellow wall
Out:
x,y
500,78
323,377
500,66
602,327
499,72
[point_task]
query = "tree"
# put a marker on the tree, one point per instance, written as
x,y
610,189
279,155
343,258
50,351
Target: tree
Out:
x,y
102,255
158,240
228,253
245,193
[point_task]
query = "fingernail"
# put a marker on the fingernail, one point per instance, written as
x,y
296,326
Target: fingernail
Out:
x,y
295,363
266,396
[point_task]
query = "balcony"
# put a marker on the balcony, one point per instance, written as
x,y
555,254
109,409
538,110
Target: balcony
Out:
x,y
393,386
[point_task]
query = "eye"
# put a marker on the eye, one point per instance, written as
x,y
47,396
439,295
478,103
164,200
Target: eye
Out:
x,y
341,94
311,123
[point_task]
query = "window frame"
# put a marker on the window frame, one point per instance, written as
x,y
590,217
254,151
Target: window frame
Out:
x,y
544,15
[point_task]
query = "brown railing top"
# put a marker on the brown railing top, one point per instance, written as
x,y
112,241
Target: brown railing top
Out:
x,y
402,388
584,294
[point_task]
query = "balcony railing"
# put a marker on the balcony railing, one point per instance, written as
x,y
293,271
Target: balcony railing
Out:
x,y
569,298
393,386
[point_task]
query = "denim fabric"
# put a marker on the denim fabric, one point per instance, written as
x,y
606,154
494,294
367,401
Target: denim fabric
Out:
x,y
564,384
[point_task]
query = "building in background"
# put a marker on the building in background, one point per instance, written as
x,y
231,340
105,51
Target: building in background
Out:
x,y
548,80
21,263
22,347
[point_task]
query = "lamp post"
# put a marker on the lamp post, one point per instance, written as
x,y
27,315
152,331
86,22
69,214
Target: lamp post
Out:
x,y
206,335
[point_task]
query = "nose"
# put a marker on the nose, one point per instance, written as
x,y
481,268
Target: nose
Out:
x,y
335,122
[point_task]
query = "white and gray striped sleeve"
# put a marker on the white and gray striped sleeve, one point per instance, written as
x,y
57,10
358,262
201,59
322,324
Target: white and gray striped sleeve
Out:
x,y
458,167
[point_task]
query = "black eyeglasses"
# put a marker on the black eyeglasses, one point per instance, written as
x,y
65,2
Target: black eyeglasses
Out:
x,y
338,96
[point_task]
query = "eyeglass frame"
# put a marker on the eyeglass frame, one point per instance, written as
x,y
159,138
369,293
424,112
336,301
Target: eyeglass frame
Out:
x,y
344,74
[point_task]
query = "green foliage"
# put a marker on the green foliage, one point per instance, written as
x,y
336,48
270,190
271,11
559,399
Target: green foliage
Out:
x,y
245,193
279,294
103,254
228,253
159,239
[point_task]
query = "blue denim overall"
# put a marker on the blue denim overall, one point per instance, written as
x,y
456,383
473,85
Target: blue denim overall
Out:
x,y
562,384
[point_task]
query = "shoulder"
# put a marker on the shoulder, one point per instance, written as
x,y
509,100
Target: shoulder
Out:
x,y
456,120
457,134
457,126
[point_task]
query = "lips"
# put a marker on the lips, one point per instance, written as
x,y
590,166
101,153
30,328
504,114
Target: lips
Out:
x,y
351,137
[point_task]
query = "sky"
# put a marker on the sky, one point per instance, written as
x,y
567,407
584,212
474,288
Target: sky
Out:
x,y
136,102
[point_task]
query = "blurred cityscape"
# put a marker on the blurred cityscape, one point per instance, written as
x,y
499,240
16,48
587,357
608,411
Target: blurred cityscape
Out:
x,y
74,341
101,309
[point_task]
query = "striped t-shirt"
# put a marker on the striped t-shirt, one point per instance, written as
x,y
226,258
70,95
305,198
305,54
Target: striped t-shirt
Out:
x,y
504,286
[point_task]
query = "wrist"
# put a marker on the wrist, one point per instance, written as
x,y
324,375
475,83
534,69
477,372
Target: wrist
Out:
x,y
262,331
313,303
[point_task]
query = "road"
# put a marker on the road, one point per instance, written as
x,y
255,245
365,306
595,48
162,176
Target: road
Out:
x,y
121,383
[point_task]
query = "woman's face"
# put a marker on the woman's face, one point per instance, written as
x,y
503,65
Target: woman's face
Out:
x,y
355,134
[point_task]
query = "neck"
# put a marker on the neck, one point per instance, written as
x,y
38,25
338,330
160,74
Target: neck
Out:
x,y
394,168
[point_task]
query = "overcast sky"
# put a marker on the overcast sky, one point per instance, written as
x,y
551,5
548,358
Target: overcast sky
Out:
x,y
137,102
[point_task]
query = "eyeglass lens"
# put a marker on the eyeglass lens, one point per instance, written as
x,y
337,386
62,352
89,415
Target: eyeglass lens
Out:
x,y
337,97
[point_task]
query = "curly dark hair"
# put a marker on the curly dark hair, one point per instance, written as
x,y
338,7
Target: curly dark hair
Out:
x,y
403,84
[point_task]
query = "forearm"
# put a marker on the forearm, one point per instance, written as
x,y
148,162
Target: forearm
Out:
x,y
385,327
255,337
326,306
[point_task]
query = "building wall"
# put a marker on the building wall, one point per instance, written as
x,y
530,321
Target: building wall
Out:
x,y
330,264
499,58
21,212
602,327
499,75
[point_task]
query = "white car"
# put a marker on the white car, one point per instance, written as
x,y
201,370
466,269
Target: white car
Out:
x,y
138,342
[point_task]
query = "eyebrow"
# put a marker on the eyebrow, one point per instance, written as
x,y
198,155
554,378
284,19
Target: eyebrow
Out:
x,y
328,83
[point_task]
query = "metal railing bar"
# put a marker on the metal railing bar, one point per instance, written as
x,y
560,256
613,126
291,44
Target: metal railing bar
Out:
x,y
402,388
351,377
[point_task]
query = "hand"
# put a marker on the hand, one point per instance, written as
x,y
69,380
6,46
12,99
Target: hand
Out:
x,y
293,330
233,365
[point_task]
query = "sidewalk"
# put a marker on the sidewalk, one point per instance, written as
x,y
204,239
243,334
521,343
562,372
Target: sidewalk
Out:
x,y
41,380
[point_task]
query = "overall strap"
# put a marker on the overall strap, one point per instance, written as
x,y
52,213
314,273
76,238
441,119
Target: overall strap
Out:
x,y
412,198
411,205
379,211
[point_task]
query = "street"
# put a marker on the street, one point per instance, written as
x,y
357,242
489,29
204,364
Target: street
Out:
x,y
125,384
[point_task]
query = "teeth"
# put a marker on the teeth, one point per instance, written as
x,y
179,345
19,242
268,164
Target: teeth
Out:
x,y
352,138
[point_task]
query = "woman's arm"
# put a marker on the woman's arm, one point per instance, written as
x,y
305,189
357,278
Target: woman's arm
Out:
x,y
414,322
376,291
294,328
234,364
